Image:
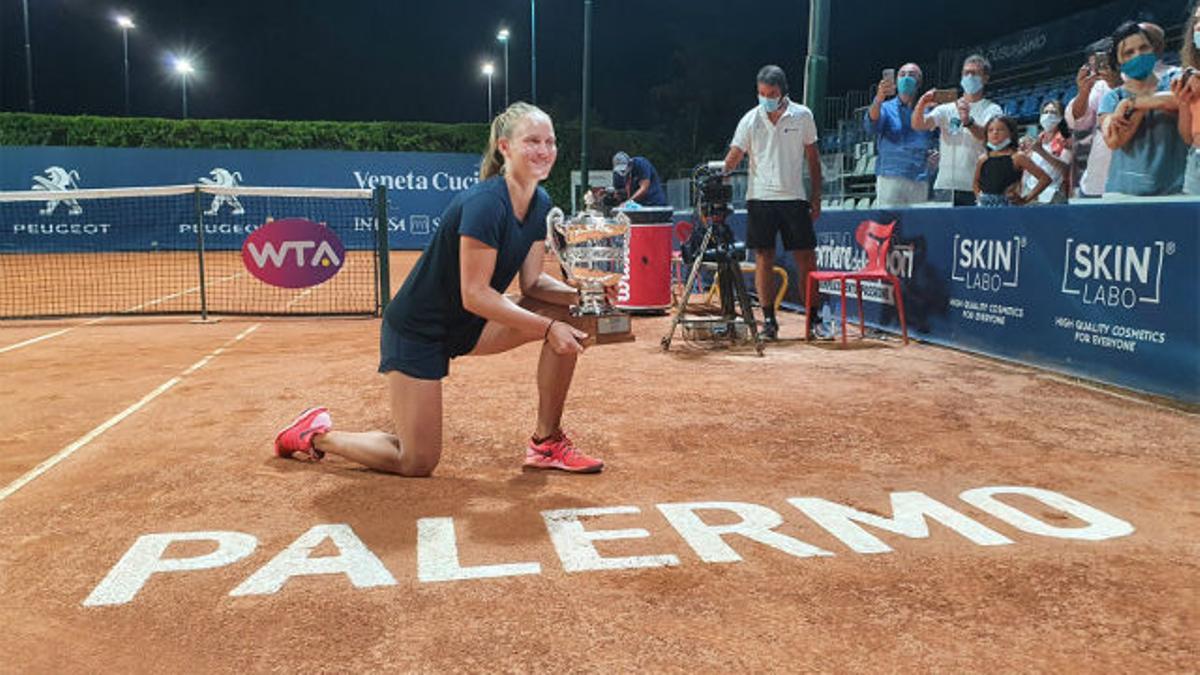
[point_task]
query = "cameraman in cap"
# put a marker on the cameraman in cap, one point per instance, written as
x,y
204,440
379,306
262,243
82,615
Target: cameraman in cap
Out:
x,y
779,136
638,178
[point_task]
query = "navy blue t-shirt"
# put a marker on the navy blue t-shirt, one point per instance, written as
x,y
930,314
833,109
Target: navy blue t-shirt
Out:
x,y
641,169
429,304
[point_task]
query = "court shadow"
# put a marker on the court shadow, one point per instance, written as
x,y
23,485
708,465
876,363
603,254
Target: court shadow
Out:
x,y
505,511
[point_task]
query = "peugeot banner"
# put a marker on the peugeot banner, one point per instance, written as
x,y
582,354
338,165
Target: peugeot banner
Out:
x,y
420,185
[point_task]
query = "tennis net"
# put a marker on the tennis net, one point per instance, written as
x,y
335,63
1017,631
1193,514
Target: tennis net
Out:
x,y
192,249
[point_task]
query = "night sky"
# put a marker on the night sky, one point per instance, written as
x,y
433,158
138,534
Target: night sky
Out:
x,y
405,60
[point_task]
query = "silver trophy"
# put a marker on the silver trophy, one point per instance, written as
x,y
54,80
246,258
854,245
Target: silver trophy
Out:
x,y
594,253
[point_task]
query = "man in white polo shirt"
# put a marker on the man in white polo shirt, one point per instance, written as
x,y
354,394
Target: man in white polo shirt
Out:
x,y
779,136
963,125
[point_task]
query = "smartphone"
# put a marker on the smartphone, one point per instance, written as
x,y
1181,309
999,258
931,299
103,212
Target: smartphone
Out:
x,y
945,95
1100,62
889,74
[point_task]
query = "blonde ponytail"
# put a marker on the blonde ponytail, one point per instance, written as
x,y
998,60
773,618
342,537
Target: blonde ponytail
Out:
x,y
503,127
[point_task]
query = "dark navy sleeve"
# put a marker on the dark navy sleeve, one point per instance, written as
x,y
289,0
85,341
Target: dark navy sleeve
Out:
x,y
541,209
483,217
641,170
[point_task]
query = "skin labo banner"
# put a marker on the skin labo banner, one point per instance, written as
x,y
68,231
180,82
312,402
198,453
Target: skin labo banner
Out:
x,y
420,186
1105,292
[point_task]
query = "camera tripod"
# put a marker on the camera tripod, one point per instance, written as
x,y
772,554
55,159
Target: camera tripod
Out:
x,y
730,284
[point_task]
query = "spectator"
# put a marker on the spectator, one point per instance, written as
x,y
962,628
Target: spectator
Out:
x,y
1158,40
639,179
1095,79
962,126
1186,89
902,170
1140,120
998,171
1051,151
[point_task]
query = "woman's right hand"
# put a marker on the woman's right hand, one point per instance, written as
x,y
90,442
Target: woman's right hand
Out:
x,y
565,339
1085,79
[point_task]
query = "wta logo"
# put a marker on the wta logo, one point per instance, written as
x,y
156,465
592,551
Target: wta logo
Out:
x,y
293,253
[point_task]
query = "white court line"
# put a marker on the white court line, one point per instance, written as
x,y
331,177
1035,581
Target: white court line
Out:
x,y
116,419
193,289
47,336
35,340
135,308
298,298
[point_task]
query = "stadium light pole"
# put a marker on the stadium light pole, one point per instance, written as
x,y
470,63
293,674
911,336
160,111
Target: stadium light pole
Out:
x,y
184,68
533,51
587,97
488,69
816,64
126,23
28,56
502,36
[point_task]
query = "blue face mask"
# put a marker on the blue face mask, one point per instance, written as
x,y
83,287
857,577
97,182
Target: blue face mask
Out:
x,y
907,85
1000,146
770,105
1196,40
972,84
1140,67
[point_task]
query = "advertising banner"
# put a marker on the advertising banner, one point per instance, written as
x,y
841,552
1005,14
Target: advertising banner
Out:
x,y
420,186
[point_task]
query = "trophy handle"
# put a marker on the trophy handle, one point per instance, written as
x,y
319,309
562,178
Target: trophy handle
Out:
x,y
554,230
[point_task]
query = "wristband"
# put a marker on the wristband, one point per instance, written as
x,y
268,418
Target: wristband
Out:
x,y
548,327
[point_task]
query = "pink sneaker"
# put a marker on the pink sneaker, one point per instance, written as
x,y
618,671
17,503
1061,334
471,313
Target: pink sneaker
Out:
x,y
297,437
558,452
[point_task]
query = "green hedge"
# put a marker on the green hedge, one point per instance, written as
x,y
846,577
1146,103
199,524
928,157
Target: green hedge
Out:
x,y
58,130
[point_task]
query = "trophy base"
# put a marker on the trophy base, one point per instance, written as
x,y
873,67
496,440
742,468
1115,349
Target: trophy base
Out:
x,y
604,329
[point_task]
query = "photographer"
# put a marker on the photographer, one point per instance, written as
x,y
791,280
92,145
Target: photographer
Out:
x,y
962,123
1095,79
638,178
779,136
901,174
1186,89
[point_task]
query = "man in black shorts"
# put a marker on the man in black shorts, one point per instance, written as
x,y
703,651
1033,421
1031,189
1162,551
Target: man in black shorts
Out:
x,y
779,136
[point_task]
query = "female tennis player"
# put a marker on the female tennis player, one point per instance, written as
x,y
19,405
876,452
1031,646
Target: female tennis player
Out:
x,y
453,304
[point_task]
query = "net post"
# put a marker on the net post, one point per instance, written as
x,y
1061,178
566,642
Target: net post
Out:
x,y
200,253
383,248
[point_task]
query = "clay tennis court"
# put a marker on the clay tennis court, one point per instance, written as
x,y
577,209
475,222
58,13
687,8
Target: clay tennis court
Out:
x,y
713,438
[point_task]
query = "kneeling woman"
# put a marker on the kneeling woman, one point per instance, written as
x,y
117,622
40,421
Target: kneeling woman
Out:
x,y
453,304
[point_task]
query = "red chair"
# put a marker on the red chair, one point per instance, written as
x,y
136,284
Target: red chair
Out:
x,y
875,238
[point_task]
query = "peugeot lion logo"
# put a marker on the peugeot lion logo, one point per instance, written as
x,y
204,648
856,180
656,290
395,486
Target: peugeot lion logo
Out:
x,y
226,179
58,179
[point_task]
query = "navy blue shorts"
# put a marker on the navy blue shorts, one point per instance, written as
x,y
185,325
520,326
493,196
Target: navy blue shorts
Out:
x,y
414,357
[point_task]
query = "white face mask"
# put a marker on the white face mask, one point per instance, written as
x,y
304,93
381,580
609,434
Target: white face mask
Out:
x,y
1050,121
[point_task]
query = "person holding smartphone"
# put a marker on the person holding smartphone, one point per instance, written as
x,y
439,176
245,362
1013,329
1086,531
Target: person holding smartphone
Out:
x,y
901,172
1094,79
962,125
1186,90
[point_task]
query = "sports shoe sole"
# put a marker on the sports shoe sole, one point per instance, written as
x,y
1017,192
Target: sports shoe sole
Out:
x,y
559,467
